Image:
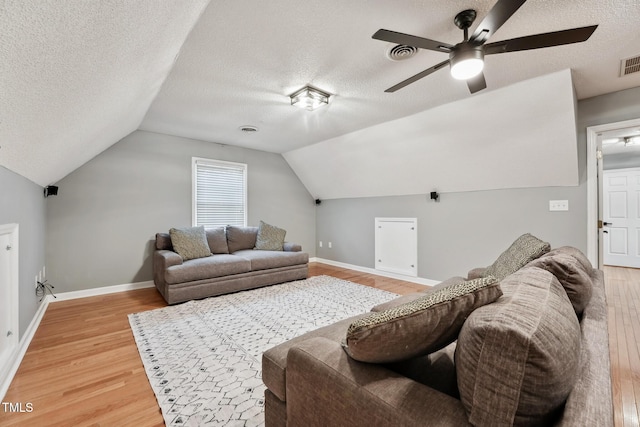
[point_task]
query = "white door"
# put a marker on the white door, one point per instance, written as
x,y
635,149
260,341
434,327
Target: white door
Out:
x,y
621,217
8,295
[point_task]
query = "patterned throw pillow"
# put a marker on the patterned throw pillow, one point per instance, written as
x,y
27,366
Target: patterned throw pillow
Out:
x,y
525,249
190,242
422,326
270,238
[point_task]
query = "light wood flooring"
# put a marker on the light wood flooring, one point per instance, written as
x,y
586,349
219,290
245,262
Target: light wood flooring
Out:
x,y
83,369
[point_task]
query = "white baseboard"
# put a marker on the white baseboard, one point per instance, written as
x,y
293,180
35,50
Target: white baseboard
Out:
x,y
418,280
23,345
105,290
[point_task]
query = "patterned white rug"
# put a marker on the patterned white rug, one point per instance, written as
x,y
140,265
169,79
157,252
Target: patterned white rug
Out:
x,y
203,358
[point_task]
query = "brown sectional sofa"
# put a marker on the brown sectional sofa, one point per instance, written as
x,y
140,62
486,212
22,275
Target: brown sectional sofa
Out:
x,y
234,266
548,366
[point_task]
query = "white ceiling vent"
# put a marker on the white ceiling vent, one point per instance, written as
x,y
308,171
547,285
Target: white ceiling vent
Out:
x,y
630,66
401,52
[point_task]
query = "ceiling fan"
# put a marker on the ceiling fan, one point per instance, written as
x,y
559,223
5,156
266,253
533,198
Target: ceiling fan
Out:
x,y
467,57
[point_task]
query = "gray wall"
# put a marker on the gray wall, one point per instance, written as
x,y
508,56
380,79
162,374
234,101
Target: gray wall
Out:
x,y
100,227
23,202
466,230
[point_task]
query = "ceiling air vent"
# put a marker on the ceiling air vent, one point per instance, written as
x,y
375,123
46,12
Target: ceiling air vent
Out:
x,y
401,52
630,66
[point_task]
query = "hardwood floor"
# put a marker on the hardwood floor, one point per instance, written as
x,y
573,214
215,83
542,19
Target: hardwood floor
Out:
x,y
623,305
83,369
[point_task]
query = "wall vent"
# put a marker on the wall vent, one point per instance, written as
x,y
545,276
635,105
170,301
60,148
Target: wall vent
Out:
x,y
630,66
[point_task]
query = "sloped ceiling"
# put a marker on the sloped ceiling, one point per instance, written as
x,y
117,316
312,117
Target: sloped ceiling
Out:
x,y
78,75
522,135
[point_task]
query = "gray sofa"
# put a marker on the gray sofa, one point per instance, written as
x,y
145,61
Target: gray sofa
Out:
x,y
482,379
234,266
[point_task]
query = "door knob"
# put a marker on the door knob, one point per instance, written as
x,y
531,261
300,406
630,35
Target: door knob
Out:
x,y
607,223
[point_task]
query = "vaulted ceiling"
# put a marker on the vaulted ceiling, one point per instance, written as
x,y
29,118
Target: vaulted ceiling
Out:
x,y
77,76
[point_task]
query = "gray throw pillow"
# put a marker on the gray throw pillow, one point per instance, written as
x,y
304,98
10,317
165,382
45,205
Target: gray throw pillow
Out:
x,y
190,242
270,238
419,327
525,249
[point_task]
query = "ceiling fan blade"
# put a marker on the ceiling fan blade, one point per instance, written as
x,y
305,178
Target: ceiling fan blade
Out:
x,y
497,16
537,41
409,40
417,77
477,83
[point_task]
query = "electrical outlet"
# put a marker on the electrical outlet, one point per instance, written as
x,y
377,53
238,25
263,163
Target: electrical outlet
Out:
x,y
330,245
320,243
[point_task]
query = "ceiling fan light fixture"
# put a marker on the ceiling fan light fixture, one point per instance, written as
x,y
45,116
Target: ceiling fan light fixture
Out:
x,y
309,98
466,61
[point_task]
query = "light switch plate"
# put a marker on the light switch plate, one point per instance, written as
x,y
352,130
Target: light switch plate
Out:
x,y
558,205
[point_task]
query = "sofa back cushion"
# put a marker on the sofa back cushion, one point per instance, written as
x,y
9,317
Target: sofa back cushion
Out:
x,y
163,242
571,275
239,238
574,252
523,250
217,239
518,358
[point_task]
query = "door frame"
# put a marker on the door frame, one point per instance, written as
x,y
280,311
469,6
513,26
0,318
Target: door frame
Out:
x,y
12,301
594,201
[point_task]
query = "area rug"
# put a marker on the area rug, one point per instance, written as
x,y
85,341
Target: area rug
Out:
x,y
203,358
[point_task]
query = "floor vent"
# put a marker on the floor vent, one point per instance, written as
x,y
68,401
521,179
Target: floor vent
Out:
x,y
630,66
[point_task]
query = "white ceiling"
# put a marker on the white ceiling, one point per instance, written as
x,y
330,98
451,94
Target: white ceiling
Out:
x,y
78,75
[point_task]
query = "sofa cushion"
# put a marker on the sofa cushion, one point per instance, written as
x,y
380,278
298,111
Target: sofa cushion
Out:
x,y
190,242
239,238
517,359
163,242
574,252
274,360
418,327
217,239
571,275
270,237
206,268
263,260
523,250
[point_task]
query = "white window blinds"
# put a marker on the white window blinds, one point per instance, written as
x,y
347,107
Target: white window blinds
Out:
x,y
219,193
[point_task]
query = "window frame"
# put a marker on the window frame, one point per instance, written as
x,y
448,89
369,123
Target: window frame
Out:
x,y
195,162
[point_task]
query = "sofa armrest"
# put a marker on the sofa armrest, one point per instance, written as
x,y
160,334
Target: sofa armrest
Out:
x,y
163,259
291,247
476,273
327,387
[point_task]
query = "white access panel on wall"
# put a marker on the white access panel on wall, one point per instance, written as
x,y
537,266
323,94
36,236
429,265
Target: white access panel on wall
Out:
x,y
397,245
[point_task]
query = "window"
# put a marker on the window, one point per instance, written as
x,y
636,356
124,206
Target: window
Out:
x,y
219,193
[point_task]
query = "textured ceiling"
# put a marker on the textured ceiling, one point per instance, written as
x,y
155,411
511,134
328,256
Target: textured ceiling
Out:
x,y
244,57
78,75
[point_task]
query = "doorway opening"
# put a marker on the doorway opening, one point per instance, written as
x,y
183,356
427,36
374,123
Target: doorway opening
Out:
x,y
615,141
